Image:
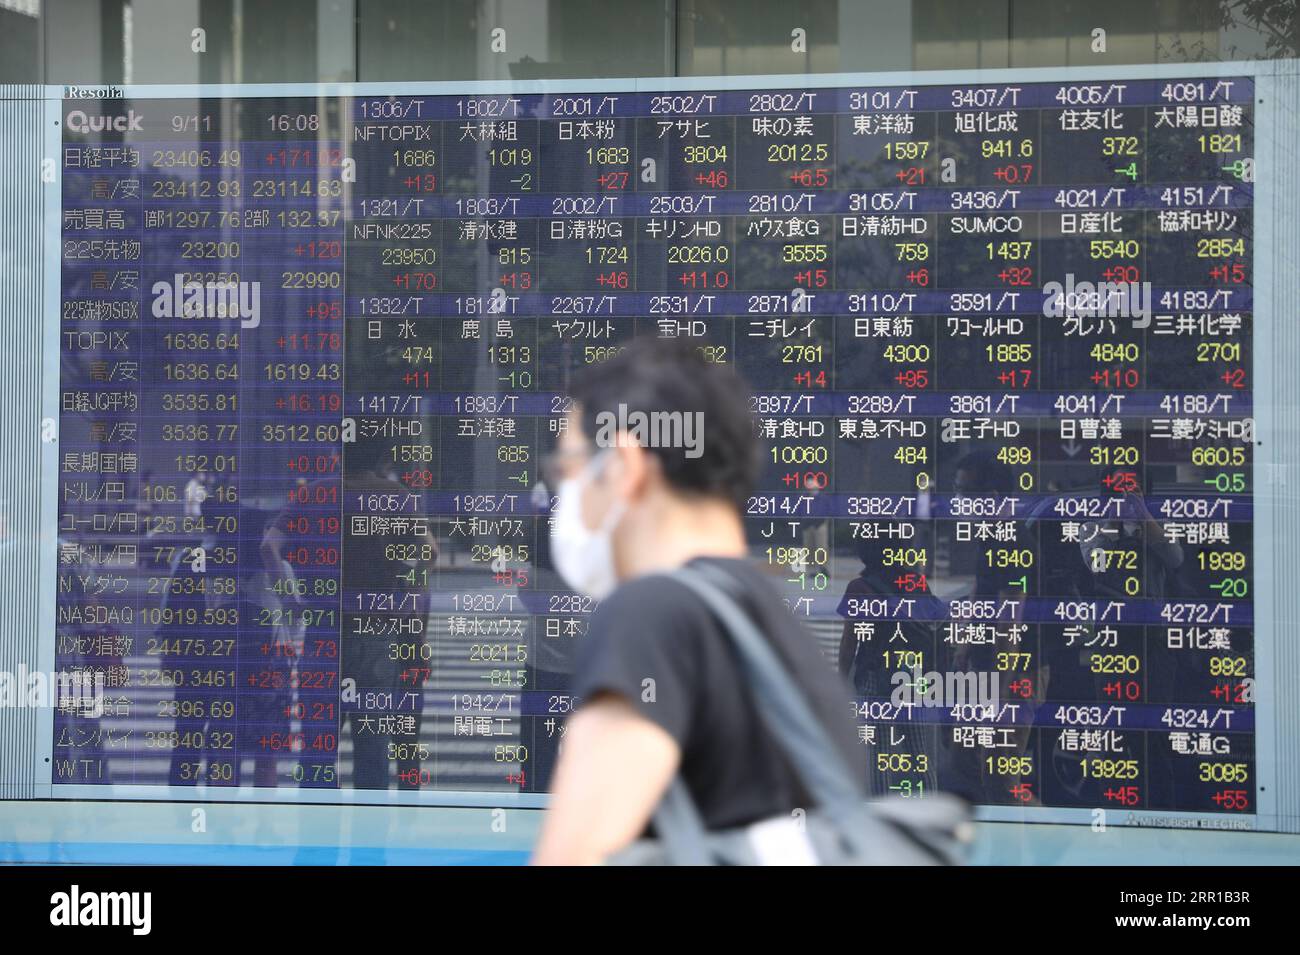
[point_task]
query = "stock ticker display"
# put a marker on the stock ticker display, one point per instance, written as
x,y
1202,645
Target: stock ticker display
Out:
x,y
999,339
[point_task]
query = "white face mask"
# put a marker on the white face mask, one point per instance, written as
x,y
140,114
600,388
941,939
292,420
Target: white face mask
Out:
x,y
584,558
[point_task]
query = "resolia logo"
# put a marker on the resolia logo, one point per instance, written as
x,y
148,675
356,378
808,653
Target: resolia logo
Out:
x,y
103,908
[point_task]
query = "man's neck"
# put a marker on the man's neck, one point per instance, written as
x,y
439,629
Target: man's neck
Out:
x,y
679,531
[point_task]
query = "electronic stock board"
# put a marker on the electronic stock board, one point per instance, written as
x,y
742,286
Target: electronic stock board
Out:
x,y
999,337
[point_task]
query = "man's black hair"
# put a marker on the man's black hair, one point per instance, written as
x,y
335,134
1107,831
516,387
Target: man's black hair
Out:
x,y
670,375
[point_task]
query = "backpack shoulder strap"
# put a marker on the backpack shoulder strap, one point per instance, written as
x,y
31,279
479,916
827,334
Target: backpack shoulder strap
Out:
x,y
782,705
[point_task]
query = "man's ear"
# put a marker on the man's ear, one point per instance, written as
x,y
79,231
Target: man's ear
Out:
x,y
633,472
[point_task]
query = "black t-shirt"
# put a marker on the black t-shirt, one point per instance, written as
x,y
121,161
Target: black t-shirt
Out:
x,y
653,628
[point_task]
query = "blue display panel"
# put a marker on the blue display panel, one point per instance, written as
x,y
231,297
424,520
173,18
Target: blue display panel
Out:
x,y
1000,339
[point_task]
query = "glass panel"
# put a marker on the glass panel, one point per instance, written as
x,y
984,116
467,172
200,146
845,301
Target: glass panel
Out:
x,y
20,41
412,40
247,163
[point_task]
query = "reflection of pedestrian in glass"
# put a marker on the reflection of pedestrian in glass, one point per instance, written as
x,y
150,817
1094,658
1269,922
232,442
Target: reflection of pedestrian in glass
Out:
x,y
875,654
390,667
1129,552
196,492
981,474
270,643
999,650
863,643
143,503
198,710
815,532
98,650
